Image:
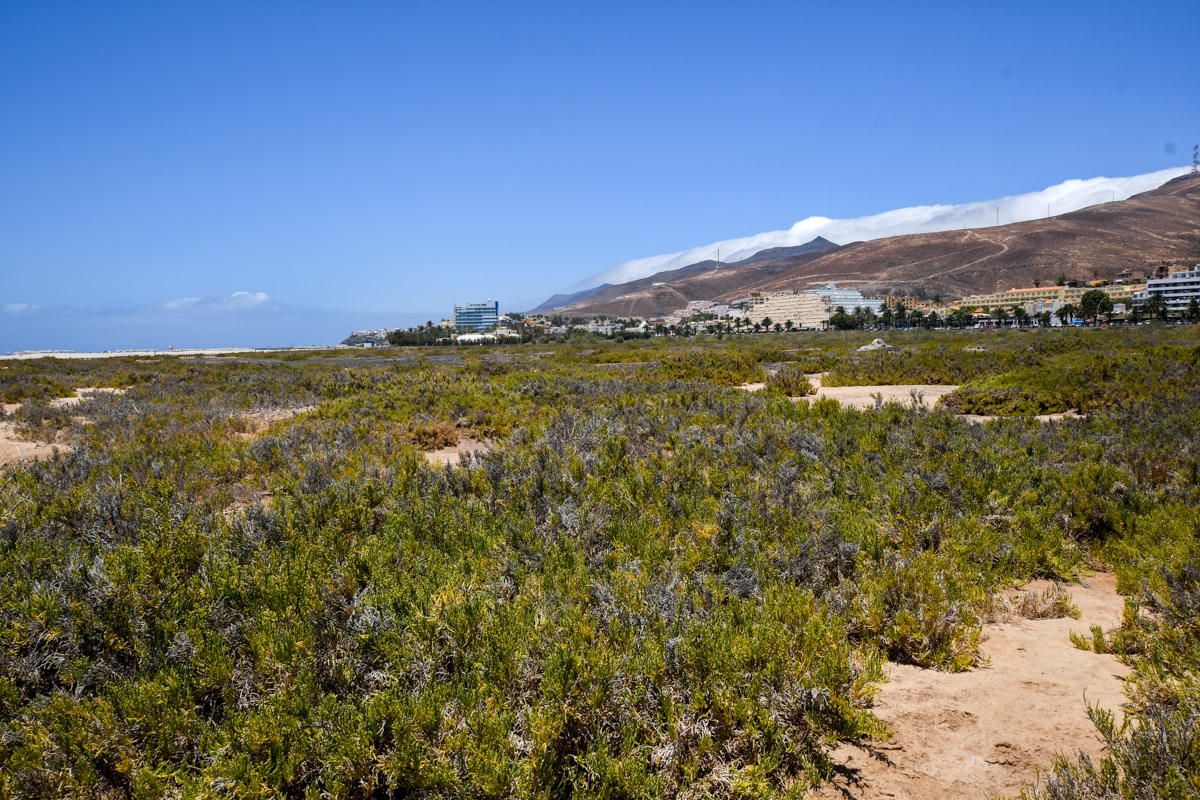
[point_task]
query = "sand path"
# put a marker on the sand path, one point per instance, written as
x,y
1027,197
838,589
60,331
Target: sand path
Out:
x,y
988,732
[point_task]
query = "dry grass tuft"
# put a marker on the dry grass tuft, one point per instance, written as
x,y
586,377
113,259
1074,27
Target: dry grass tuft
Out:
x,y
1052,603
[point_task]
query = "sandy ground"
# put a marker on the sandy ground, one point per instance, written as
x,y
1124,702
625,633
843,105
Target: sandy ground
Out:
x,y
863,397
261,420
84,394
14,449
450,456
988,732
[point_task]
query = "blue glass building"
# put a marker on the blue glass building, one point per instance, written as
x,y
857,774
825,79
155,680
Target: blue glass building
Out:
x,y
479,316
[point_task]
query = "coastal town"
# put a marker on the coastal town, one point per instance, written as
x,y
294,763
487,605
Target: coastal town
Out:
x,y
1166,293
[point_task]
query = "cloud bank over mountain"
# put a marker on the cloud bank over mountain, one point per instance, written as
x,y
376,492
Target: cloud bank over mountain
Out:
x,y
1068,196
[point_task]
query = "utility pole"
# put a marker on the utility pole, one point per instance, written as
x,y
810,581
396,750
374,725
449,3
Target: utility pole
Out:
x,y
1196,159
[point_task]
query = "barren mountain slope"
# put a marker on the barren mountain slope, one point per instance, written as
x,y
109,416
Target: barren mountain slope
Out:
x,y
1159,225
1099,241
666,291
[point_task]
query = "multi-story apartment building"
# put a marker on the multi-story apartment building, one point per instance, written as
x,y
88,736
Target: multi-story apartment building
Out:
x,y
849,299
480,316
1179,289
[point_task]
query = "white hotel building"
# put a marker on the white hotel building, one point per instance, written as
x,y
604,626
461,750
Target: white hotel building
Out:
x,y
1179,289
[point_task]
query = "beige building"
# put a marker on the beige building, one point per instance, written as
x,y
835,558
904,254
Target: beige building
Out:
x,y
1049,298
804,309
909,303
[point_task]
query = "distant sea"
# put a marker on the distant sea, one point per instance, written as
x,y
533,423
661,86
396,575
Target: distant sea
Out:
x,y
158,329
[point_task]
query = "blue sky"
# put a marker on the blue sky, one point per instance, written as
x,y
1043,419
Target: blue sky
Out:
x,y
366,164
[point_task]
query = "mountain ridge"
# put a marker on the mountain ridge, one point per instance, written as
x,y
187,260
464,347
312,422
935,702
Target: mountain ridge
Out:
x,y
665,291
1069,195
1157,225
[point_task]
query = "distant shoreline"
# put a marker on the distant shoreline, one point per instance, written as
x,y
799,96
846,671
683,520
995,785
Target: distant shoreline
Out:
x,y
209,351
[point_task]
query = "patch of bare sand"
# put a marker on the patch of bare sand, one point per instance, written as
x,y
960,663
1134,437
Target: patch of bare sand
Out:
x,y
86,393
259,421
451,456
9,408
988,732
863,397
14,449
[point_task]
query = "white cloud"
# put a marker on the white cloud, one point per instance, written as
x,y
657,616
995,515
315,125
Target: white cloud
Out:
x,y
1068,196
18,308
247,299
231,302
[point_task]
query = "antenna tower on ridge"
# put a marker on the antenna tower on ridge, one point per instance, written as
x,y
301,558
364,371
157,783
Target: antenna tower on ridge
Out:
x,y
1195,159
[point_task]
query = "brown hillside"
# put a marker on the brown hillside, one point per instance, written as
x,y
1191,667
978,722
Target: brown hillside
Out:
x,y
1159,225
665,291
1099,241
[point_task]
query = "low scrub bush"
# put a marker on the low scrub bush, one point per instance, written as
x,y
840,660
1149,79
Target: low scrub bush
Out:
x,y
789,382
650,586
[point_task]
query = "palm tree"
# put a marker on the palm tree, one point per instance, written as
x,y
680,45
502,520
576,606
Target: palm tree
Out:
x,y
1192,313
1156,306
1066,313
1020,315
789,325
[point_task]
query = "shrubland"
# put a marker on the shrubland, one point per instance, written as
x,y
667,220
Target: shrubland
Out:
x,y
652,585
